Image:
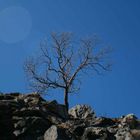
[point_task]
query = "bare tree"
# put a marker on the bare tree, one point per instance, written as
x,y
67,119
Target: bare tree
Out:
x,y
61,63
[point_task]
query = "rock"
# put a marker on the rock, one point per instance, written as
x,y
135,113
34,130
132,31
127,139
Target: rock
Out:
x,y
6,125
51,133
103,122
20,124
123,134
94,133
82,112
55,119
27,112
78,130
136,134
31,126
6,97
30,117
56,108
55,133
130,120
38,125
33,100
62,111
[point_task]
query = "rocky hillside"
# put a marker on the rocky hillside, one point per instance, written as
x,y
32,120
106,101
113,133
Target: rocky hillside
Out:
x,y
30,117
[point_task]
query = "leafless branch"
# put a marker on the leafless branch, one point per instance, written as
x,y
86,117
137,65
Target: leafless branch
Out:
x,y
62,68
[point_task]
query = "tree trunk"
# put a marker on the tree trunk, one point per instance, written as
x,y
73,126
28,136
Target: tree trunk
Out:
x,y
66,99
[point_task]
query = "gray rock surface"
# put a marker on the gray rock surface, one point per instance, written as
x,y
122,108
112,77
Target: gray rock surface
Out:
x,y
81,111
51,133
30,117
55,133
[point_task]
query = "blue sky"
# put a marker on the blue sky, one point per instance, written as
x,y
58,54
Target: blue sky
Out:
x,y
23,24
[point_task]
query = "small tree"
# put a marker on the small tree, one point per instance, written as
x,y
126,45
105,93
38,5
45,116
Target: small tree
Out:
x,y
61,63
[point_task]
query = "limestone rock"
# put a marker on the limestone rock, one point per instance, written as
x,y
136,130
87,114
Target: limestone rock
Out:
x,y
82,112
136,134
130,120
103,122
56,108
30,117
55,133
123,134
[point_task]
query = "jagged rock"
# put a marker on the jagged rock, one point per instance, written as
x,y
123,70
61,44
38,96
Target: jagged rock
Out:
x,y
79,130
130,120
23,117
93,133
6,125
54,119
33,100
56,108
55,133
103,122
123,134
82,112
30,117
27,112
31,126
135,133
6,97
127,134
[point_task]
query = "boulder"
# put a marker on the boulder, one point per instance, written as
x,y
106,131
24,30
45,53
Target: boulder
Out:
x,y
78,130
103,122
82,112
33,100
55,133
6,124
30,117
136,134
24,112
128,134
57,109
123,134
94,133
31,126
130,120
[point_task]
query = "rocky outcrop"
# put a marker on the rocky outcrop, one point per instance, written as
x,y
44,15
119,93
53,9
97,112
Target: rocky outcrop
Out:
x,y
82,111
30,117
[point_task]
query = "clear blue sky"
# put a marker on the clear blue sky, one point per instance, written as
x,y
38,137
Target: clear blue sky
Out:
x,y
23,23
